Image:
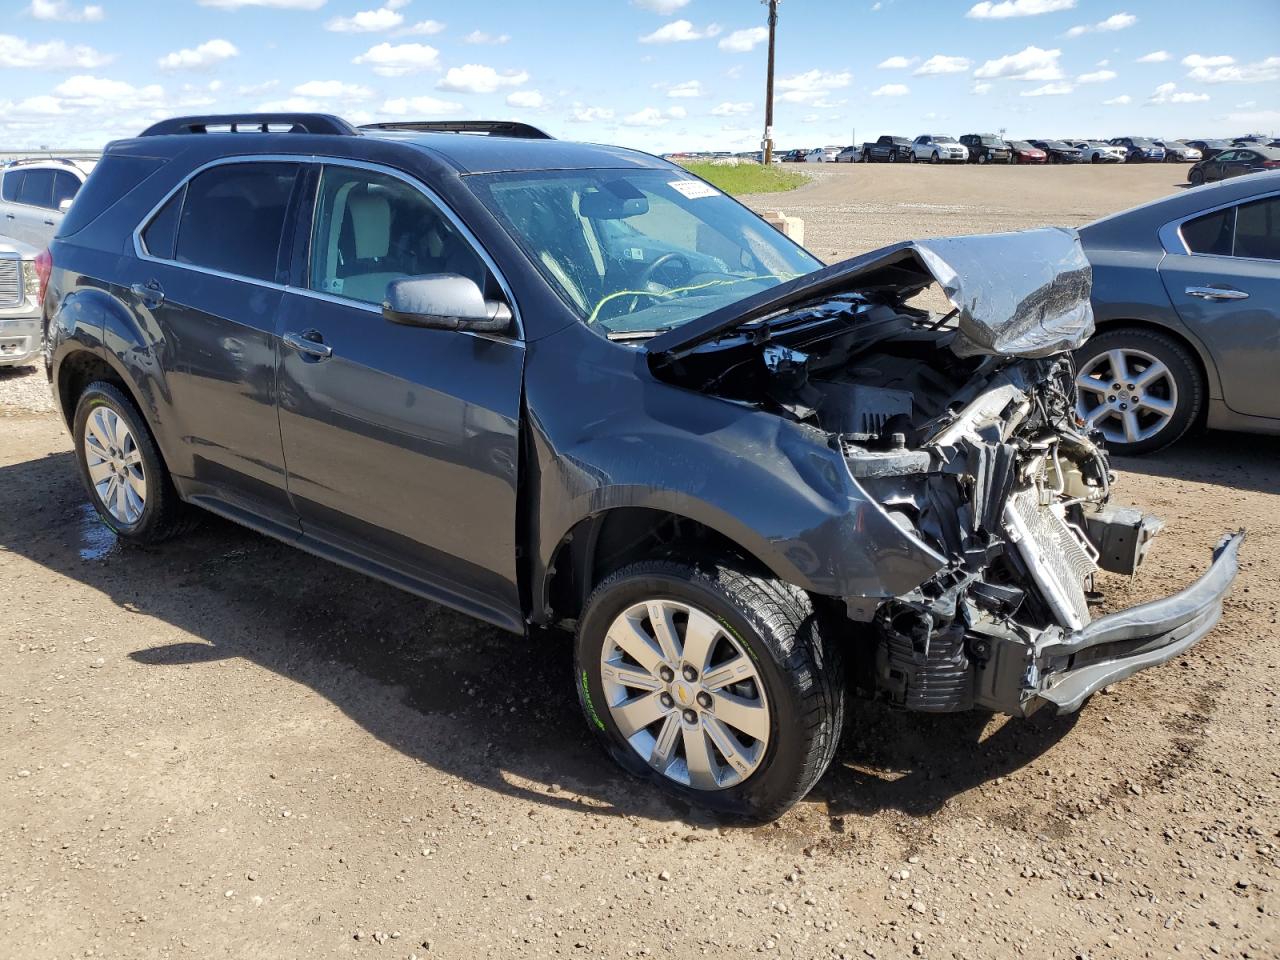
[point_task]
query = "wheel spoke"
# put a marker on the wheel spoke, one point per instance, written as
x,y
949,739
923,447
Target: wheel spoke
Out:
x,y
1098,414
700,639
119,431
137,484
627,636
697,753
1151,374
1119,365
664,747
634,715
728,745
664,630
1157,405
629,677
97,426
1091,384
728,672
133,458
1132,432
748,716
100,471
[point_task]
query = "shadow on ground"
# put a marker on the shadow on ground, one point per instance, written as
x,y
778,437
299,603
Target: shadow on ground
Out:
x,y
1240,460
484,705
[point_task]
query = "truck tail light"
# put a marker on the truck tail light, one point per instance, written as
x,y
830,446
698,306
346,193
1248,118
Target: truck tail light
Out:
x,y
44,268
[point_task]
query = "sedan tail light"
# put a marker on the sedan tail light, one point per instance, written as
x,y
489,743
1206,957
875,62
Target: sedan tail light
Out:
x,y
1271,164
44,268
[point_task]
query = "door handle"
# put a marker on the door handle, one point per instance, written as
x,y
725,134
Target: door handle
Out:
x,y
1216,293
49,223
150,293
311,343
8,216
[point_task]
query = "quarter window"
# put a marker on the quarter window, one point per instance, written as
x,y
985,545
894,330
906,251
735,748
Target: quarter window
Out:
x,y
65,187
12,184
371,228
233,217
1211,233
162,232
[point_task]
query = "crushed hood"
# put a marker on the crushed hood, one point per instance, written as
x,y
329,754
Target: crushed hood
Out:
x,y
1020,294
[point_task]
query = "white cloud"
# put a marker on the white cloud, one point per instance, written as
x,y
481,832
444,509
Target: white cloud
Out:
x,y
679,31
1119,101
397,60
581,114
981,87
1049,90
891,90
664,7
256,89
88,91
677,111
1225,70
52,55
1117,21
206,55
526,99
743,41
477,78
1169,93
61,10
1155,56
648,117
332,89
423,28
367,21
480,37
690,88
277,4
1031,63
419,107
939,63
1097,76
895,63
730,109
1016,8
812,85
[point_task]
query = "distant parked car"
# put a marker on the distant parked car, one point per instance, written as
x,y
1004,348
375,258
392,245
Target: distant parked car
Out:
x,y
1059,151
1186,298
794,156
1140,149
1175,151
987,148
1260,138
938,148
1234,162
1024,152
1209,148
851,154
891,149
21,291
1098,151
822,155
36,194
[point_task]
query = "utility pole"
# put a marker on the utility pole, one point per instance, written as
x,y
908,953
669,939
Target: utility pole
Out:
x,y
768,90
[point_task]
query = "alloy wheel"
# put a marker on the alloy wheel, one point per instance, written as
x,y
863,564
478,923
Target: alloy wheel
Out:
x,y
115,465
685,694
1127,394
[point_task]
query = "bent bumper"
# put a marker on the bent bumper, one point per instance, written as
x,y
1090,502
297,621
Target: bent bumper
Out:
x,y
1065,671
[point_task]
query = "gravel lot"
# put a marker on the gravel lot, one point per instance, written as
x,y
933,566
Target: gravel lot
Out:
x,y
227,748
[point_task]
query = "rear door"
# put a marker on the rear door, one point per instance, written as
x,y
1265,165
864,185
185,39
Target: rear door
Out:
x,y
402,443
209,279
1227,290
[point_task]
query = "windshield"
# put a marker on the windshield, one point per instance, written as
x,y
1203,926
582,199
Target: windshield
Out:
x,y
640,251
1142,142
992,142
1021,145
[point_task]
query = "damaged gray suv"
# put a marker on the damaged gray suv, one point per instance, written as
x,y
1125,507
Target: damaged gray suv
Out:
x,y
567,386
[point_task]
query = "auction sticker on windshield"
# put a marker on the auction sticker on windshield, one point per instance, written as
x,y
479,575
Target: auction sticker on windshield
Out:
x,y
693,189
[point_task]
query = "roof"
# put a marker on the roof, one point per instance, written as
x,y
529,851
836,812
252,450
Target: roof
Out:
x,y
493,154
1185,203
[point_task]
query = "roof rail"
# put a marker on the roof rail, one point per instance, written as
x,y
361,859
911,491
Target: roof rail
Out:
x,y
323,123
492,128
23,160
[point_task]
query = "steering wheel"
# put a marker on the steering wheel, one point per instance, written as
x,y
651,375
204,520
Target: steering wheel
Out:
x,y
651,271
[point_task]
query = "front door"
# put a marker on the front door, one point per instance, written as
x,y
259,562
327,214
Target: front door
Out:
x,y
1227,290
401,442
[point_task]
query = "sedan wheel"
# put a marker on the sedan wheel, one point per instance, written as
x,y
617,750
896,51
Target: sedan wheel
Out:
x,y
1138,388
115,467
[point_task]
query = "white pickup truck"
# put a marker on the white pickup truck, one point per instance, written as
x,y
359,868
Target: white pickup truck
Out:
x,y
35,194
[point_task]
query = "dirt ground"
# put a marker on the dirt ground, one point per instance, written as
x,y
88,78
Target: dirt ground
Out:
x,y
226,748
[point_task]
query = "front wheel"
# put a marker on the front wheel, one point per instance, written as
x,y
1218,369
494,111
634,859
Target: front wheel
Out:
x,y
893,156
718,685
984,158
935,158
1196,178
1141,389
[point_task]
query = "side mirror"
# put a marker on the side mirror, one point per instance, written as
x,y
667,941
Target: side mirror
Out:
x,y
64,205
444,301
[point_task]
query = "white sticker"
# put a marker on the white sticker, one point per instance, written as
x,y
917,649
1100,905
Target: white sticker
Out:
x,y
693,189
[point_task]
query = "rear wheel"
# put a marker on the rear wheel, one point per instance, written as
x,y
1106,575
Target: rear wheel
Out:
x,y
935,158
1196,178
717,685
1141,389
122,470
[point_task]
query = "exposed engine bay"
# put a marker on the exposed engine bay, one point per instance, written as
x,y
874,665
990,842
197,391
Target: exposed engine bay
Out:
x,y
962,427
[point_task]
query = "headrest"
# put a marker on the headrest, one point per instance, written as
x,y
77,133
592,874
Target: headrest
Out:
x,y
370,215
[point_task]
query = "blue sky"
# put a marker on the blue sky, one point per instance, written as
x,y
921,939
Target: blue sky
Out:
x,y
656,74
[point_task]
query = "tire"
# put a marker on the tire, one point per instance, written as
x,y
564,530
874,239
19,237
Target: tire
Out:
x,y
1196,178
984,158
798,670
893,156
1182,387
161,514
935,158
866,156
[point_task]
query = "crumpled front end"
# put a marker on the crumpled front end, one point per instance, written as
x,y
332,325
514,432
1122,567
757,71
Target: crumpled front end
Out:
x,y
963,428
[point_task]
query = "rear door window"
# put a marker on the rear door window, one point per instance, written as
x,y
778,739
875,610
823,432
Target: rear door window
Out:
x,y
65,187
233,218
37,188
1258,229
